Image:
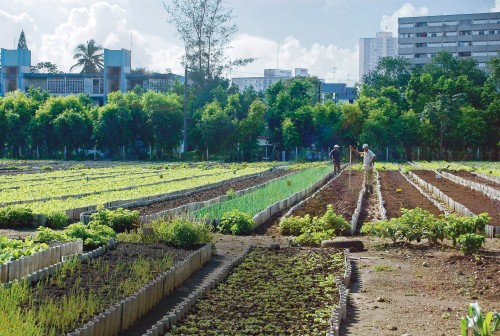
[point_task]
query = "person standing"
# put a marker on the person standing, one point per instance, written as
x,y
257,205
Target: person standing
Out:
x,y
335,155
368,161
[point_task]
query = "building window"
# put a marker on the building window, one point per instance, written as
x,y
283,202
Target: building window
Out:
x,y
432,55
450,23
406,35
435,24
450,34
464,43
495,20
159,84
433,45
484,21
421,45
493,32
465,32
449,44
97,85
420,55
403,46
65,85
421,34
406,25
421,24
464,54
480,53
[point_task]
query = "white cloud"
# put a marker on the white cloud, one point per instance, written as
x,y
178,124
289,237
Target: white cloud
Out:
x,y
390,22
12,26
497,6
319,59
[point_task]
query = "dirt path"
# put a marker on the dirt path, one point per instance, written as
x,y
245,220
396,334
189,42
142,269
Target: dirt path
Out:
x,y
419,291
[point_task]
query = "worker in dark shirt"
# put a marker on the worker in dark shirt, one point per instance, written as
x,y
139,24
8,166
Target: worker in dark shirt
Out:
x,y
335,155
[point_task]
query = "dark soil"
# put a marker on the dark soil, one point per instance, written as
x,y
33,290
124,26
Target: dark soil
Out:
x,y
474,178
206,195
408,198
338,193
475,201
100,282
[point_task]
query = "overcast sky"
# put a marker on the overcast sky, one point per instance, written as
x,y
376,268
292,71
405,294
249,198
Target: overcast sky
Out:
x,y
316,34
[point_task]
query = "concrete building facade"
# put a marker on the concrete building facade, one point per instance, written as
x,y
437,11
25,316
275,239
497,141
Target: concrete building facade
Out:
x,y
372,49
463,35
16,74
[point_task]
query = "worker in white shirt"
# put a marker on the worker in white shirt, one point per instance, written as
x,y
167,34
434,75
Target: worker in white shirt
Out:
x,y
368,161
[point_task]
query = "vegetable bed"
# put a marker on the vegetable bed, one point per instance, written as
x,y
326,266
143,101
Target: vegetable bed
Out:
x,y
474,200
338,193
398,193
474,178
285,292
79,290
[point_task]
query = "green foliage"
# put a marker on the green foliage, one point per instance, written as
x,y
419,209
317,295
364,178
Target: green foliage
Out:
x,y
457,226
311,231
231,194
12,249
183,232
16,216
57,219
236,222
92,235
477,323
119,220
45,234
470,243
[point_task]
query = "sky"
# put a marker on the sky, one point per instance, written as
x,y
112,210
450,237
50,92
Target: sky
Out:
x,y
320,35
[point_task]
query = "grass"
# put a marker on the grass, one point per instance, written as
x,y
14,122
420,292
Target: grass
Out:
x,y
382,268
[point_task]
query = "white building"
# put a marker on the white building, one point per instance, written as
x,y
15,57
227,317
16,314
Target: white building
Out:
x,y
270,77
372,49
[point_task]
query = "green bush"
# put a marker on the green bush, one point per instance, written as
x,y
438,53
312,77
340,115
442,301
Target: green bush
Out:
x,y
331,221
57,220
236,222
480,325
98,235
45,234
16,216
120,220
457,226
470,243
312,238
294,225
180,232
388,228
92,235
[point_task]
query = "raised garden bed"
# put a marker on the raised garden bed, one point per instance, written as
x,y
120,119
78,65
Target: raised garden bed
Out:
x,y
475,178
474,200
398,193
338,193
81,289
205,195
284,292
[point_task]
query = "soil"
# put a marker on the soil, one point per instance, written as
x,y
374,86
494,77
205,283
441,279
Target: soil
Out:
x,y
418,290
337,192
409,197
475,201
474,178
205,195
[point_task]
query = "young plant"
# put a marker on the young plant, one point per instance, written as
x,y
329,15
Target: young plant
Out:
x,y
236,222
470,243
477,323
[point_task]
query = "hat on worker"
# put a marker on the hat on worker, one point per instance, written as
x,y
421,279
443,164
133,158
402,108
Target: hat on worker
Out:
x,y
336,146
365,146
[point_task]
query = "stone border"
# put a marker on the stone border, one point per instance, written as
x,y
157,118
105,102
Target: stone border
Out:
x,y
425,194
487,177
357,212
339,313
487,190
447,200
85,216
27,266
181,309
121,315
383,212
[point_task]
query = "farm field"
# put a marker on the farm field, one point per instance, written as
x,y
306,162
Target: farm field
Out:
x,y
83,287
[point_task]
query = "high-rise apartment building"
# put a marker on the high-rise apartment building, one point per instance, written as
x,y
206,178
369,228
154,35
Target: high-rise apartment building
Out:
x,y
372,49
464,35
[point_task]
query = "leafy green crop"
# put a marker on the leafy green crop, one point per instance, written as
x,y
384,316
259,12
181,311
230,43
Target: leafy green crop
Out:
x,y
236,222
12,249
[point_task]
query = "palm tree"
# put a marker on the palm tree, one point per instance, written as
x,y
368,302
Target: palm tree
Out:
x,y
90,57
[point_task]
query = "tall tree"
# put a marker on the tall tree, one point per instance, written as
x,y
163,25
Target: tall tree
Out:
x,y
90,57
47,67
206,29
21,44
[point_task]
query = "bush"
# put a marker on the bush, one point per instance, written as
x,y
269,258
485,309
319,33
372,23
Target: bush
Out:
x,y
332,221
182,232
98,235
236,222
57,220
470,243
45,234
294,225
388,228
120,220
457,226
16,216
312,238
92,235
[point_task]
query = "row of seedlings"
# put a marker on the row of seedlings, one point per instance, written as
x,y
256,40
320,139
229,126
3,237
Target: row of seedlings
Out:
x,y
121,315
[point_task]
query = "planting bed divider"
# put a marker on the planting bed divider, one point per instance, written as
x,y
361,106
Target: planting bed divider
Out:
x,y
121,315
336,191
493,179
478,186
175,315
466,196
144,201
34,265
409,197
381,206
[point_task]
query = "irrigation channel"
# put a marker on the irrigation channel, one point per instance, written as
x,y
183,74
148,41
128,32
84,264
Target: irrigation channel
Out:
x,y
476,201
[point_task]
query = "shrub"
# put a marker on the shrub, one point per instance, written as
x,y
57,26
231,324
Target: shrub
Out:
x,y
457,226
182,232
470,243
57,220
480,325
92,235
388,228
231,194
331,221
119,220
98,235
313,238
236,222
16,216
294,225
45,234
